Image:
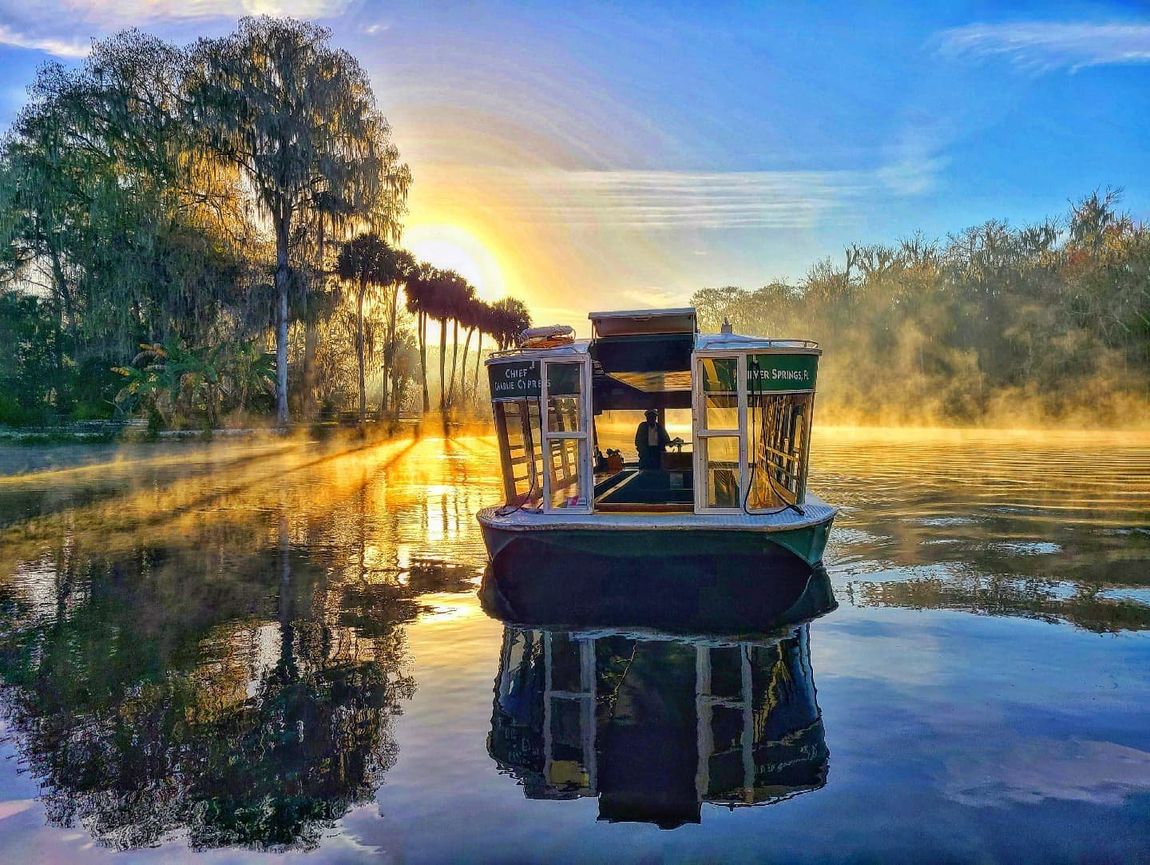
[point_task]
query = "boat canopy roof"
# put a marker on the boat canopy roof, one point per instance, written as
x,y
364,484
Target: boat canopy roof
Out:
x,y
737,342
642,358
643,321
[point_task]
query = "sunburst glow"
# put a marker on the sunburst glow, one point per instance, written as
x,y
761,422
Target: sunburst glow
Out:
x,y
454,247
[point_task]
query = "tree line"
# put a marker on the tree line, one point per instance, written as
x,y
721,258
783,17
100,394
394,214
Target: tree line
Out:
x,y
197,231
1043,323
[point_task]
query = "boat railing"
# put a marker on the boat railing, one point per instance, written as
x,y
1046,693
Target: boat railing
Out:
x,y
716,341
502,354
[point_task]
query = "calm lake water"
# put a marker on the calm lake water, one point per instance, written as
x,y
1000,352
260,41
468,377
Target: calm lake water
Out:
x,y
249,652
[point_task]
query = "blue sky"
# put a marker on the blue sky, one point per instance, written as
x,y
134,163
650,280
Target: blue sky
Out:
x,y
625,154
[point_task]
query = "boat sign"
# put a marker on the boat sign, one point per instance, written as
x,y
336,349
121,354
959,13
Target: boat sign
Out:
x,y
519,379
515,379
781,372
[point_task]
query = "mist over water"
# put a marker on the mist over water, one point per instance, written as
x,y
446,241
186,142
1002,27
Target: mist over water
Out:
x,y
221,652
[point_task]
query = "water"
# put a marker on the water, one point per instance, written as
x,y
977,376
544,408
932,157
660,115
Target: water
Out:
x,y
249,652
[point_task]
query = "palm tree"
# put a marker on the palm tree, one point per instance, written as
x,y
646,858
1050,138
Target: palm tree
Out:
x,y
511,319
470,318
452,294
405,267
370,264
420,289
485,320
444,295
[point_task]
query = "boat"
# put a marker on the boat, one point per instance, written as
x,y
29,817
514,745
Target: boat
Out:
x,y
735,486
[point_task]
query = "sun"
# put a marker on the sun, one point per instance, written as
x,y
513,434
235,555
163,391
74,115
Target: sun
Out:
x,y
450,246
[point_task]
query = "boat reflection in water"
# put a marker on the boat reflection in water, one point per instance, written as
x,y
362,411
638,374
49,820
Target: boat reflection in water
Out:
x,y
647,715
654,727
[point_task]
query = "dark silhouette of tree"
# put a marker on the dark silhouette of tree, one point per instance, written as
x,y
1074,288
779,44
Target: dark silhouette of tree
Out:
x,y
420,289
510,318
467,317
405,267
295,116
371,266
484,318
444,295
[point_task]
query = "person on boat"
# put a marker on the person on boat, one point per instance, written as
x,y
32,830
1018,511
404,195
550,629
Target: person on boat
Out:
x,y
651,441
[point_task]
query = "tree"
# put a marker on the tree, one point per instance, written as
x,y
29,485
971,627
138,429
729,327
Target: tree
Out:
x,y
452,294
463,303
371,265
404,267
298,117
101,152
484,324
420,290
510,318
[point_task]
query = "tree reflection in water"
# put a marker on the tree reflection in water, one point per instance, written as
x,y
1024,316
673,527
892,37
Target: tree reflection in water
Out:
x,y
654,726
154,693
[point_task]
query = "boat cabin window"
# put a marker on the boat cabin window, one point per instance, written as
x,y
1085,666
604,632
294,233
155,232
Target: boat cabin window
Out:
x,y
754,412
778,430
720,394
565,436
719,432
642,410
517,424
720,457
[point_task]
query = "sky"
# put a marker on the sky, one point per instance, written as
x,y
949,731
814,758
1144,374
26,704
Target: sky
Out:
x,y
587,156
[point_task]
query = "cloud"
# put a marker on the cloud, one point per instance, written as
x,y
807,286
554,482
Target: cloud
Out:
x,y
125,11
64,28
66,47
707,199
1012,771
1045,46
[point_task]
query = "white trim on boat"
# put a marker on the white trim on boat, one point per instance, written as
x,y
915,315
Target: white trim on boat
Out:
x,y
815,512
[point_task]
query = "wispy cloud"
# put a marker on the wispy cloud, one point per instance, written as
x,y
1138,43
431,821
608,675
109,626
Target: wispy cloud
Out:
x,y
706,199
64,28
1013,771
697,199
135,10
1039,46
59,47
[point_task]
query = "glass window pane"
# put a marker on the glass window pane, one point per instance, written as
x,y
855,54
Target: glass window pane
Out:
x,y
566,663
719,374
563,379
565,462
563,414
777,428
519,452
721,411
721,462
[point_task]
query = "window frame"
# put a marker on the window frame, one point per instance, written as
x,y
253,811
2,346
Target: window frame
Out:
x,y
698,423
585,467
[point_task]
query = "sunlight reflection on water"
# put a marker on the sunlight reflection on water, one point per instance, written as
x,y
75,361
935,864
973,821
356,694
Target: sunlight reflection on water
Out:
x,y
243,648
